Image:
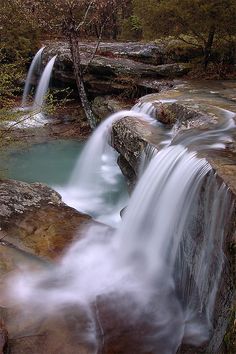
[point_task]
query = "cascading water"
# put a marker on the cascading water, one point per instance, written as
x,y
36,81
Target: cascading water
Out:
x,y
33,68
145,107
43,85
175,221
35,116
94,186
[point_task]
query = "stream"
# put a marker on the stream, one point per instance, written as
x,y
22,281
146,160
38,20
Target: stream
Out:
x,y
162,263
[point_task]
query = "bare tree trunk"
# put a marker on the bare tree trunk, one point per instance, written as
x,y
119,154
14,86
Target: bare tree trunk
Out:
x,y
208,46
74,48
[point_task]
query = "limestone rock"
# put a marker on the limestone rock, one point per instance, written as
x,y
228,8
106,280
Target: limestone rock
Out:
x,y
103,106
34,218
184,114
116,71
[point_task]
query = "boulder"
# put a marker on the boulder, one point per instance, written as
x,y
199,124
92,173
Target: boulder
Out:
x,y
34,219
65,332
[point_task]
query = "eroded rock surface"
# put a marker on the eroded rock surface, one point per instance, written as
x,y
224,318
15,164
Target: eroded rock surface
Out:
x,y
116,71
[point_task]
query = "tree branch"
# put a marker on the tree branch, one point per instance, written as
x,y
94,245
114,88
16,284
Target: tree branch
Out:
x,y
85,15
96,49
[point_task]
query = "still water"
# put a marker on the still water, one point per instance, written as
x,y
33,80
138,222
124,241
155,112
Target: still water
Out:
x,y
49,162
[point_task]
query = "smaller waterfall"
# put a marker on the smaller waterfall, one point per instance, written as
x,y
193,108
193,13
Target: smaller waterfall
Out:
x,y
34,116
43,85
145,107
33,68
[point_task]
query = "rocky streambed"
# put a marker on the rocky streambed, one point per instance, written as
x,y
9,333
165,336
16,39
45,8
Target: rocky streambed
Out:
x,y
37,228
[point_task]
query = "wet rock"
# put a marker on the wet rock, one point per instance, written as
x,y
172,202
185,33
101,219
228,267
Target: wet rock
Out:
x,y
34,218
124,326
184,114
131,138
36,228
149,53
64,333
103,106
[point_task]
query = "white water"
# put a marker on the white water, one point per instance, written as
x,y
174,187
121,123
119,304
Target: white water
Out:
x,y
33,67
43,85
148,257
34,116
94,183
145,107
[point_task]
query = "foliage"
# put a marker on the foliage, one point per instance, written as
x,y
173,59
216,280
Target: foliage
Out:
x,y
53,103
131,28
205,21
18,41
11,74
92,14
169,17
19,33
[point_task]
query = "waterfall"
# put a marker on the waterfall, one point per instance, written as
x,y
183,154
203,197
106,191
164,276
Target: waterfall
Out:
x,y
33,68
144,257
95,181
166,256
145,107
34,116
43,85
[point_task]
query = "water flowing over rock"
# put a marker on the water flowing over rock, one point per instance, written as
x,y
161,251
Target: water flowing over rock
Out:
x,y
34,67
93,187
43,85
34,116
162,280
141,138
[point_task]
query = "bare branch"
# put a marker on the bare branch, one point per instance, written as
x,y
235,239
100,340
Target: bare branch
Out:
x,y
96,48
85,15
